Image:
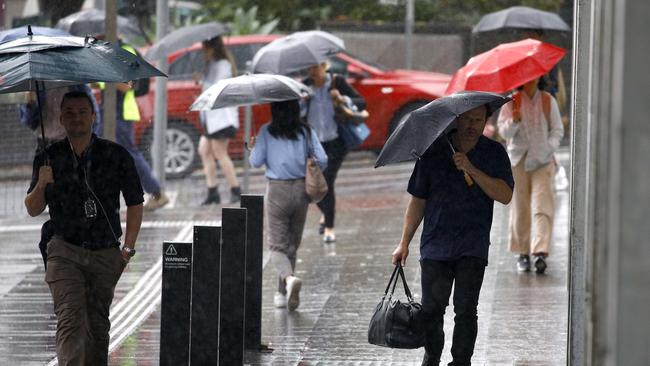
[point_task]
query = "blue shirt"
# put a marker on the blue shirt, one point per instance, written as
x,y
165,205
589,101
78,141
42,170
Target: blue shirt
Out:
x,y
457,217
284,158
320,113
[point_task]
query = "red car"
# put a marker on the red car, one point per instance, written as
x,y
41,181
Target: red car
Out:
x,y
390,96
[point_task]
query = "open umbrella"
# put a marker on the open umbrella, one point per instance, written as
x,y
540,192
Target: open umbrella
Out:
x,y
506,66
93,22
296,52
35,63
248,90
14,33
185,37
521,17
413,137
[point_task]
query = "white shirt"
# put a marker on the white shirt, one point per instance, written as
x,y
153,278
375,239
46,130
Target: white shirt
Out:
x,y
533,136
217,119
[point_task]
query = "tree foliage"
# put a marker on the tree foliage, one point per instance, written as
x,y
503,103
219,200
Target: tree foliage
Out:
x,y
306,14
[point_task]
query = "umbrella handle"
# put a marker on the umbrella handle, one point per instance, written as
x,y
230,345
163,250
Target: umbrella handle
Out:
x,y
468,179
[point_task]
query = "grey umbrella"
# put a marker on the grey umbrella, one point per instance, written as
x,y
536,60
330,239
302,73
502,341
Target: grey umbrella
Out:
x,y
413,137
521,17
93,22
248,90
296,52
185,37
35,63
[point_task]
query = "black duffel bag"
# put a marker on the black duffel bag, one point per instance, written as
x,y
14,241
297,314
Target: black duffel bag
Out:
x,y
397,324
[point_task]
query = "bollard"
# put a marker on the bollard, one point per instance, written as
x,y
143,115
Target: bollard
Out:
x,y
254,205
205,295
175,304
232,286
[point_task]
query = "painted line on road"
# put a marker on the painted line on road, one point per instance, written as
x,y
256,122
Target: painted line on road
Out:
x,y
145,225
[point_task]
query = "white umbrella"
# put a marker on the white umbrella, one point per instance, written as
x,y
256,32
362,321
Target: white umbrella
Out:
x,y
296,52
248,90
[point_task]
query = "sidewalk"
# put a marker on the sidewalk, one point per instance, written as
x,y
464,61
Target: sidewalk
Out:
x,y
522,317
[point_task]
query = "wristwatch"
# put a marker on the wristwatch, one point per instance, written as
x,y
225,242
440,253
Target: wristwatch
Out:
x,y
129,251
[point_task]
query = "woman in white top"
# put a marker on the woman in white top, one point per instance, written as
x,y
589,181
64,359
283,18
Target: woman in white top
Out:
x,y
220,124
532,127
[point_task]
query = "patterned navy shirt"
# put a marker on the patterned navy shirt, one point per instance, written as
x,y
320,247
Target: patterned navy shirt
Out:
x,y
457,217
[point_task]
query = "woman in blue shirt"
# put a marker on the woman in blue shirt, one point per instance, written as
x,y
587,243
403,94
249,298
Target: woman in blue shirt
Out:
x,y
283,145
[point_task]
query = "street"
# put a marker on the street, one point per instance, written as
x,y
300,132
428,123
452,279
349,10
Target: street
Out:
x,y
522,316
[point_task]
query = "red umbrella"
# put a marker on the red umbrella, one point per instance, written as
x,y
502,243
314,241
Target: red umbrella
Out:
x,y
506,67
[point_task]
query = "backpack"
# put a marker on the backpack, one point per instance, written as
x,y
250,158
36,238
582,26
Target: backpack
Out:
x,y
546,104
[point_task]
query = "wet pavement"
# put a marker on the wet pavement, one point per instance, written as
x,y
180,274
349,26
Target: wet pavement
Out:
x,y
522,317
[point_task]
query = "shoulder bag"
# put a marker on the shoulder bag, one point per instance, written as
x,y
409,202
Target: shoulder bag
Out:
x,y
315,183
397,324
351,125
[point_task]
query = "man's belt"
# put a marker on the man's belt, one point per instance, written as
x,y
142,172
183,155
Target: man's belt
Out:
x,y
92,245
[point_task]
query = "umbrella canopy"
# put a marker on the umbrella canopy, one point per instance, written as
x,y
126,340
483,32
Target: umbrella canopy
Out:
x,y
40,63
93,22
296,52
15,33
521,17
506,66
413,137
185,37
248,90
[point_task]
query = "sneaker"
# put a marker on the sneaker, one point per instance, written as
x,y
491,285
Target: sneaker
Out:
x,y
280,300
155,203
293,292
523,263
329,239
540,264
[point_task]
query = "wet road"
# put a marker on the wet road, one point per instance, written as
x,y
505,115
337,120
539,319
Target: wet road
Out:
x,y
522,317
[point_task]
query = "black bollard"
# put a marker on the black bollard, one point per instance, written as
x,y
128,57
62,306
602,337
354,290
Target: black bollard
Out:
x,y
205,295
254,205
233,286
175,304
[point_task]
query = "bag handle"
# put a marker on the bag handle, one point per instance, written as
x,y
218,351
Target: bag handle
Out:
x,y
399,271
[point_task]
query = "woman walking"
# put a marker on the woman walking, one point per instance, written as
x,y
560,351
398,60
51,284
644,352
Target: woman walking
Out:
x,y
220,124
329,89
283,146
532,127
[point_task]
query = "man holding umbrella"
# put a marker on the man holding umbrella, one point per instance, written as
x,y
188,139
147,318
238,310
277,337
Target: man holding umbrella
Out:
x,y
82,185
453,188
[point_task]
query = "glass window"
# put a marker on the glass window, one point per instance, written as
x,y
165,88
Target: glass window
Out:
x,y
183,67
338,66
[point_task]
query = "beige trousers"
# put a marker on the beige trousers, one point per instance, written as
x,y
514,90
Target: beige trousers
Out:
x,y
82,283
533,203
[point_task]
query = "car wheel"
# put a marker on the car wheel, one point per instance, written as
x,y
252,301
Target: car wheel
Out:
x,y
403,114
181,155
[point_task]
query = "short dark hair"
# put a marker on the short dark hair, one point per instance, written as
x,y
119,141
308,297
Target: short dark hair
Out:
x,y
77,94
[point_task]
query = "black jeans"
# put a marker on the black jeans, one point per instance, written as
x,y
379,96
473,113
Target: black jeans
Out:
x,y
437,279
336,152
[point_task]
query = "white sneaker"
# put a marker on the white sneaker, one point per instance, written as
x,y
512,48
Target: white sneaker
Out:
x,y
293,292
280,300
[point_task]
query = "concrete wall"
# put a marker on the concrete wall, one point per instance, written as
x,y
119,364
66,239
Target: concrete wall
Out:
x,y
431,52
611,189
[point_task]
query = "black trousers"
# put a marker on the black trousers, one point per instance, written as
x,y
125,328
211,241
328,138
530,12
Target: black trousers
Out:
x,y
336,152
437,280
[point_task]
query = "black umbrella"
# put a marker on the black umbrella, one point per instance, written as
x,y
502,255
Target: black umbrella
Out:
x,y
35,63
413,137
93,22
185,37
521,17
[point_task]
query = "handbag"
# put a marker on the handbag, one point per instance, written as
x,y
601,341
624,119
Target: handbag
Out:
x,y
397,324
315,183
353,135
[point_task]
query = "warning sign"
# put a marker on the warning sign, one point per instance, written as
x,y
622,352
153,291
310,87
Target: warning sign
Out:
x,y
171,250
177,256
